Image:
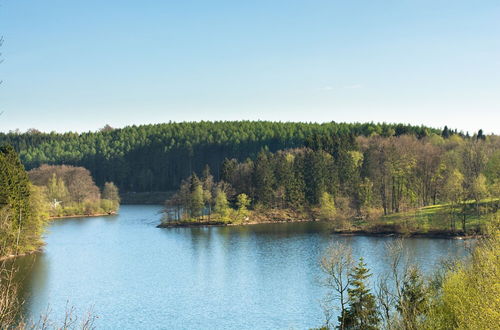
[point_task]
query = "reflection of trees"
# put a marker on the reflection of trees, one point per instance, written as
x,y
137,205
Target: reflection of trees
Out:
x,y
17,278
31,278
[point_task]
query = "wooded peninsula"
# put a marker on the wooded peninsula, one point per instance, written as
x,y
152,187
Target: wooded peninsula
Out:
x,y
419,182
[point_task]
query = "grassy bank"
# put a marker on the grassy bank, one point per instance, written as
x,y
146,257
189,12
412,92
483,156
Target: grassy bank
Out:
x,y
444,218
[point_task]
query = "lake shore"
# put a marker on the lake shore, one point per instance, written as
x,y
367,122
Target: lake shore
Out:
x,y
83,215
382,230
347,232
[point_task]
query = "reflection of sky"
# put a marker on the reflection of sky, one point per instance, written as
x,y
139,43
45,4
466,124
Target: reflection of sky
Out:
x,y
139,276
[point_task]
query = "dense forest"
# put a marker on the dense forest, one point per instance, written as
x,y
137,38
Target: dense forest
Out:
x,y
356,178
158,157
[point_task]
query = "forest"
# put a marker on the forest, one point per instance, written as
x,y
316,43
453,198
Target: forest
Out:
x,y
356,176
157,157
355,179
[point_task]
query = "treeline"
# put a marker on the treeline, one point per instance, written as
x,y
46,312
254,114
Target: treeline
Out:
x,y
363,177
458,295
22,212
158,157
70,190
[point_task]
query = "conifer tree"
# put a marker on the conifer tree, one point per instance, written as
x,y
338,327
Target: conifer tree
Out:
x,y
196,197
264,178
362,311
412,303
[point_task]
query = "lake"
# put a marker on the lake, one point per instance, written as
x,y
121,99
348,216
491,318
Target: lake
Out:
x,y
136,276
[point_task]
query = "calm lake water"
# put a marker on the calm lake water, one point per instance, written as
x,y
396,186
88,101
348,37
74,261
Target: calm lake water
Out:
x,y
136,276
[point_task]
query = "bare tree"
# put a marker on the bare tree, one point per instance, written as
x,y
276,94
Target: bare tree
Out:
x,y
9,301
336,265
401,292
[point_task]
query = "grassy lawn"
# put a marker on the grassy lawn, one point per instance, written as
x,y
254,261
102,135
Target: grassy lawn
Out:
x,y
440,217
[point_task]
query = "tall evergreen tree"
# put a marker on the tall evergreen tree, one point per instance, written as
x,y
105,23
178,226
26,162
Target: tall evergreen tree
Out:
x,y
413,299
264,178
197,203
362,311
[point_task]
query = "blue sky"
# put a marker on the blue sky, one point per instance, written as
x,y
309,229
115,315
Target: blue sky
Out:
x,y
77,65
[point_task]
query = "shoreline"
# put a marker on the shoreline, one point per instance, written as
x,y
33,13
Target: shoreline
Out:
x,y
357,232
83,216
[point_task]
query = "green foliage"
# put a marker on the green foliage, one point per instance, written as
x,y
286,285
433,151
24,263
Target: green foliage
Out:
x,y
158,157
264,178
327,208
71,191
22,207
221,205
412,305
196,197
110,192
462,294
242,202
362,311
469,297
56,189
367,176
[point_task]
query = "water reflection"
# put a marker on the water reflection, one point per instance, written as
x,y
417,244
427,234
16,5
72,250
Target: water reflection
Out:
x,y
140,277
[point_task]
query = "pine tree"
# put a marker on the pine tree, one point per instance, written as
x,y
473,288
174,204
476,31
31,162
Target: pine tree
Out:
x,y
208,186
196,197
413,299
362,311
446,133
264,178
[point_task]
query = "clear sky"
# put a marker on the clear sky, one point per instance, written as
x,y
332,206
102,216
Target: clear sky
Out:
x,y
77,65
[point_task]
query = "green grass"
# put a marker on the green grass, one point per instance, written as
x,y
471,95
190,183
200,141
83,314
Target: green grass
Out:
x,y
438,218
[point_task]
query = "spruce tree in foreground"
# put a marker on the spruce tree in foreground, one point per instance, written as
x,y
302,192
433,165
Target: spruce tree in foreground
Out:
x,y
362,311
